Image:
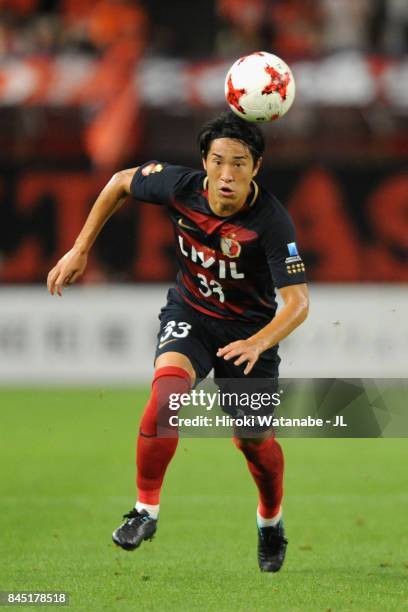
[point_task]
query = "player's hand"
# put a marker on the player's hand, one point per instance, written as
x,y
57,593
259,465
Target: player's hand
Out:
x,y
67,271
242,351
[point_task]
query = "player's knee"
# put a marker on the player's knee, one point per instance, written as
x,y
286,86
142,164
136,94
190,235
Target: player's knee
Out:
x,y
177,360
246,444
169,383
169,380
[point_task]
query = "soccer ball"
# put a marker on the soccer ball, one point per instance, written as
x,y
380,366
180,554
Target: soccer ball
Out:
x,y
260,87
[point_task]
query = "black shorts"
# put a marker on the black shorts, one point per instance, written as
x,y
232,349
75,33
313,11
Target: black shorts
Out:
x,y
198,336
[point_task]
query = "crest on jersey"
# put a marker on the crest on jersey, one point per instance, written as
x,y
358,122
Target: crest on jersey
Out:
x,y
230,247
152,169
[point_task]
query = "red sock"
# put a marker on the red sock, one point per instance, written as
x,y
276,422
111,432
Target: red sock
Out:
x,y
155,453
265,462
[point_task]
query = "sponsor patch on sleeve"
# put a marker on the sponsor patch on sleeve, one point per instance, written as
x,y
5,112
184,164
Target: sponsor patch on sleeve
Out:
x,y
294,263
292,248
152,169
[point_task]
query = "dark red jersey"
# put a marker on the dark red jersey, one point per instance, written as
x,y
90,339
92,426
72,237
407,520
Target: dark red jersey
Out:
x,y
229,266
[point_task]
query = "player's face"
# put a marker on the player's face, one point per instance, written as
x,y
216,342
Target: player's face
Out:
x,y
230,169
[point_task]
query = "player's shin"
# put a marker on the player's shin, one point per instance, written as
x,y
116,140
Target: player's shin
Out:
x,y
266,463
157,440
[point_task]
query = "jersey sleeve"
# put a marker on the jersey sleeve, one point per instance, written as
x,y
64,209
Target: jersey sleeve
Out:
x,y
279,243
157,182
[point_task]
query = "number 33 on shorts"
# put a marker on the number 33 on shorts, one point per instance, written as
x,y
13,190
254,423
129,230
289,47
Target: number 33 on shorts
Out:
x,y
173,329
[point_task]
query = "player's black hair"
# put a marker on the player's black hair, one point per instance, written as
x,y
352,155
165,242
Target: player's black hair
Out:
x,y
229,125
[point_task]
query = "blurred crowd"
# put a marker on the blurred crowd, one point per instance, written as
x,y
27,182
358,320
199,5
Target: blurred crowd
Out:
x,y
48,27
307,28
291,28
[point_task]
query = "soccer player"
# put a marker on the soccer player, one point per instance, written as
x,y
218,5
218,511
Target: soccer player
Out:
x,y
235,244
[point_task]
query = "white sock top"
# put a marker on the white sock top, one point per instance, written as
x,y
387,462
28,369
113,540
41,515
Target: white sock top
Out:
x,y
152,509
268,522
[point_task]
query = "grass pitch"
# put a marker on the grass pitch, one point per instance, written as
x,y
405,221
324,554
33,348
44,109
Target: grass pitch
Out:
x,y
67,473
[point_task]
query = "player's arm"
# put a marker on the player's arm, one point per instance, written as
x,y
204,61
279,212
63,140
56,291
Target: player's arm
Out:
x,y
72,265
290,316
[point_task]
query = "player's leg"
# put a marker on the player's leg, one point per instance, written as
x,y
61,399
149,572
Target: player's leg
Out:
x,y
157,441
181,356
261,450
156,445
265,462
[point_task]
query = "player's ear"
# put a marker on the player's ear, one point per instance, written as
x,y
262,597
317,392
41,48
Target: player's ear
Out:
x,y
256,167
204,163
